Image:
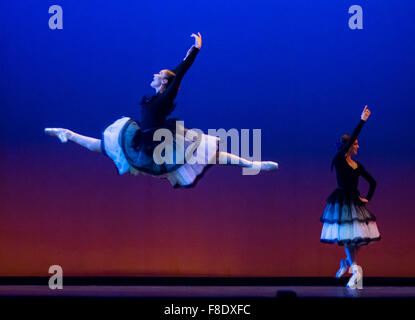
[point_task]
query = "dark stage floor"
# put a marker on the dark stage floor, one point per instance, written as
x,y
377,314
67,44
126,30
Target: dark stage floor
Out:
x,y
207,301
205,291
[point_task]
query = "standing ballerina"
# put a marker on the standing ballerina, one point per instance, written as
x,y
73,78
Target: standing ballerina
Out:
x,y
346,220
132,144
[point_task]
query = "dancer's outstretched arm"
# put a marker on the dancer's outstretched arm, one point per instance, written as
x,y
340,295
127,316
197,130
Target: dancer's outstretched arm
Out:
x,y
64,135
182,68
365,115
345,148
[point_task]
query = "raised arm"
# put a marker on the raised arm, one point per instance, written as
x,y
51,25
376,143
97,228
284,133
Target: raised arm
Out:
x,y
365,115
182,68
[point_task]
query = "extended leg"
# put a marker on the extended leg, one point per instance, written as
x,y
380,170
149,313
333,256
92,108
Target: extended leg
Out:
x,y
235,160
232,159
64,135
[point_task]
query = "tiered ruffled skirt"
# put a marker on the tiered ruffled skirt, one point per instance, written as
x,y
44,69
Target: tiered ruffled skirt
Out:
x,y
191,152
347,221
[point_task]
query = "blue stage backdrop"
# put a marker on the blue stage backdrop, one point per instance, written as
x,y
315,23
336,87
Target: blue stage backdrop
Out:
x,y
293,69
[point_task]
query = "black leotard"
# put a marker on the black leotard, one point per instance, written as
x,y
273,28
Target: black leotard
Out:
x,y
155,109
347,177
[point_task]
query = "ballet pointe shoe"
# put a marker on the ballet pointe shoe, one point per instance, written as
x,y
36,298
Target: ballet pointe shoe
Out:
x,y
62,134
264,165
356,280
344,266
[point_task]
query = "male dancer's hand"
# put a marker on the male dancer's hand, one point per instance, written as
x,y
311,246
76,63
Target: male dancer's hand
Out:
x,y
365,114
363,200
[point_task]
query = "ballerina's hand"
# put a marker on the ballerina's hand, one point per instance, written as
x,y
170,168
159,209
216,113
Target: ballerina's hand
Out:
x,y
365,113
363,200
198,40
198,43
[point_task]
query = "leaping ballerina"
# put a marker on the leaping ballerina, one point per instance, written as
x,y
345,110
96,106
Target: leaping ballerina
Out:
x,y
131,144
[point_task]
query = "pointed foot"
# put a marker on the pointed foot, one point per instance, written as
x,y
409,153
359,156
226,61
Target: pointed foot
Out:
x,y
62,134
264,165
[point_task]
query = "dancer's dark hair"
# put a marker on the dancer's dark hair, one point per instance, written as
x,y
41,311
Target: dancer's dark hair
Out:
x,y
340,144
169,76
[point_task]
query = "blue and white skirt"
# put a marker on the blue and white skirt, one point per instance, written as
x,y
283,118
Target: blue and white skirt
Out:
x,y
182,160
347,221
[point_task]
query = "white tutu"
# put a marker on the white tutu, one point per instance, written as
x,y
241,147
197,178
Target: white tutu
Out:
x,y
117,144
347,220
356,233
